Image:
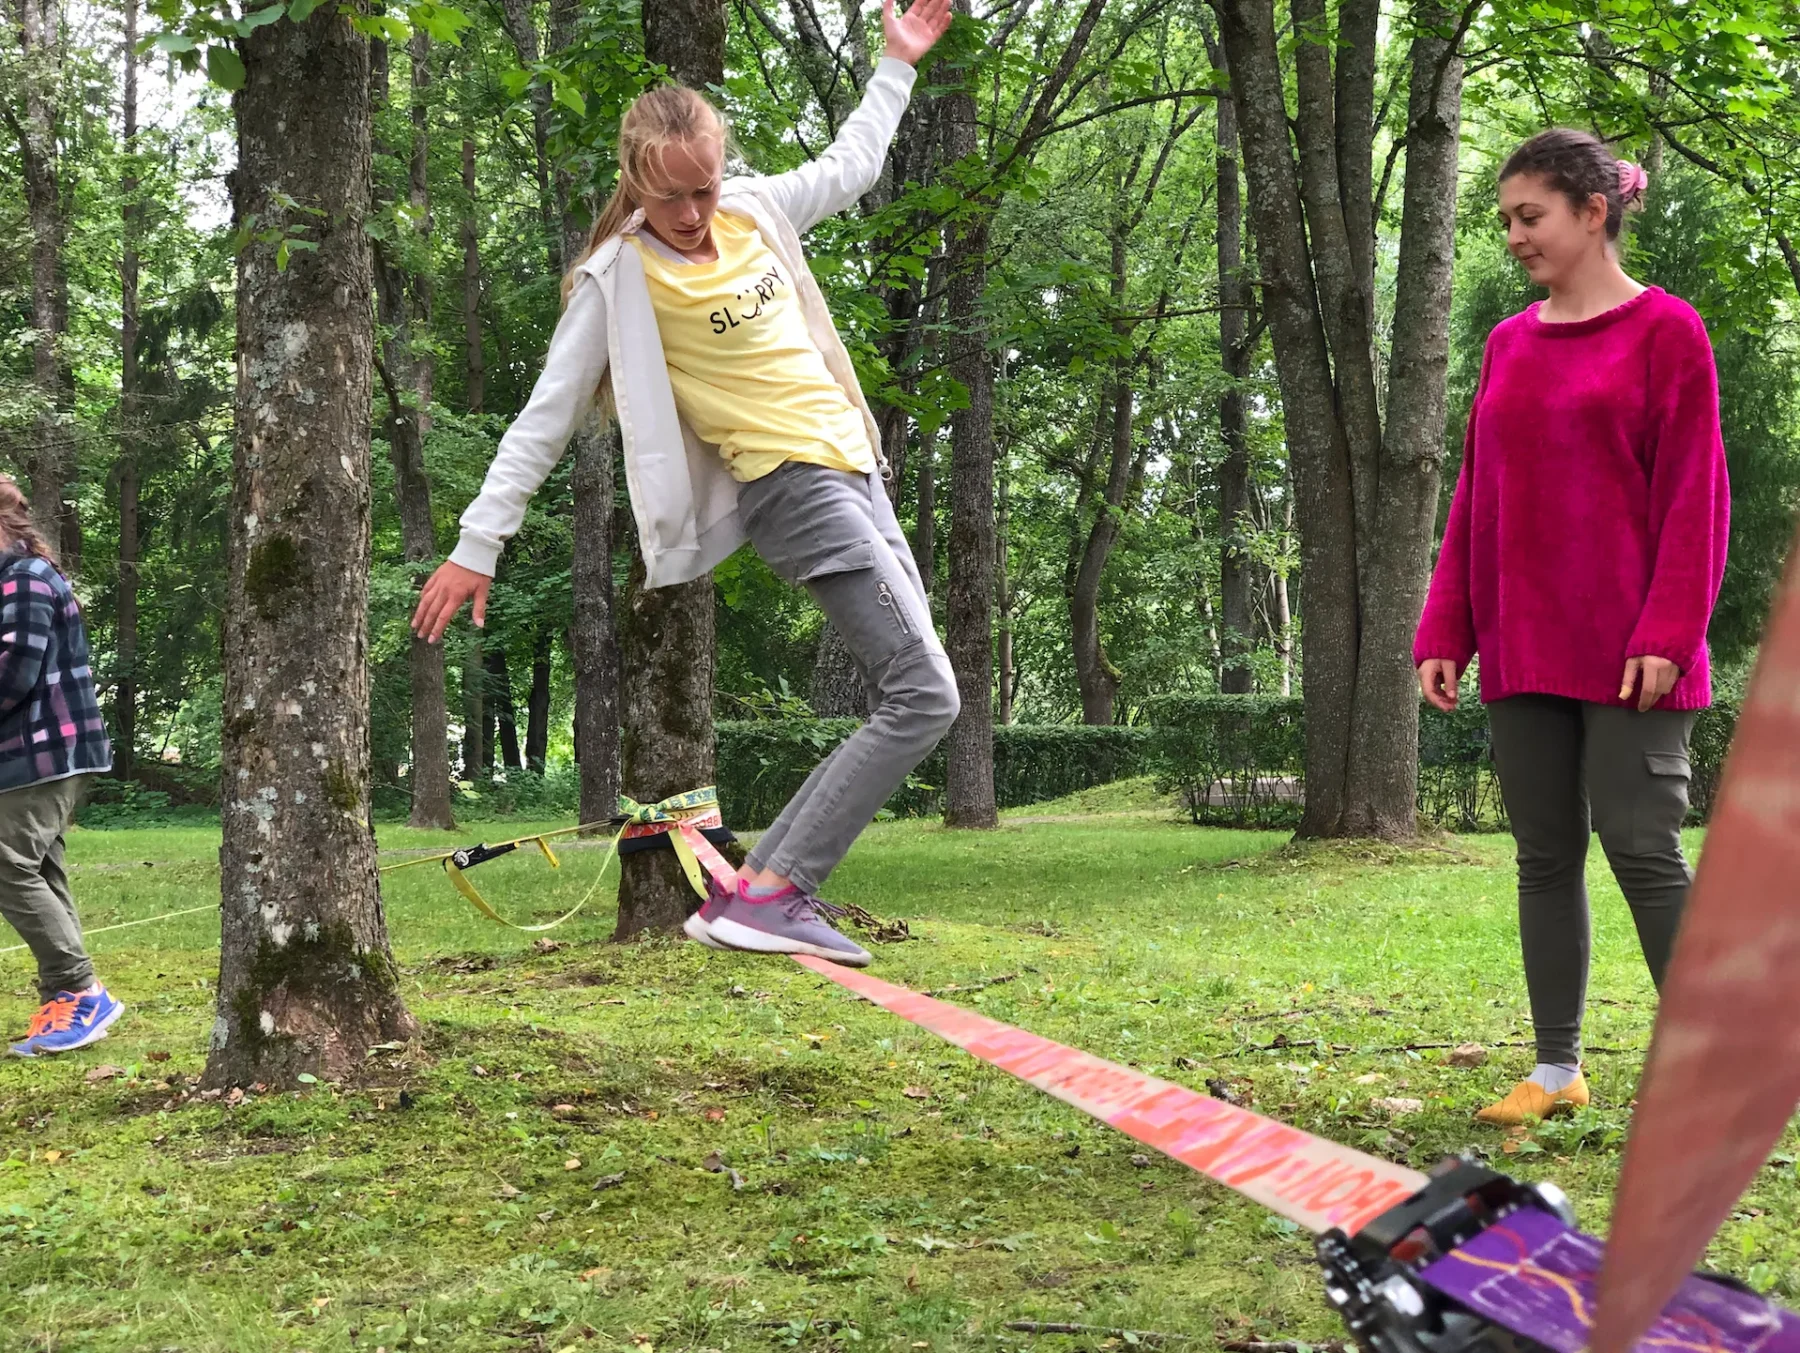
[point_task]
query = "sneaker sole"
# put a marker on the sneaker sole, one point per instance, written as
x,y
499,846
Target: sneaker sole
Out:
x,y
93,1035
736,935
698,929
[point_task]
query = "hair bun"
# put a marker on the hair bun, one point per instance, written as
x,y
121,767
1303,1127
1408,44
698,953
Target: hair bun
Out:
x,y
1632,181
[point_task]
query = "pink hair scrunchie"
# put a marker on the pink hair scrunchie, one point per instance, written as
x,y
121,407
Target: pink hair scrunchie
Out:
x,y
1632,181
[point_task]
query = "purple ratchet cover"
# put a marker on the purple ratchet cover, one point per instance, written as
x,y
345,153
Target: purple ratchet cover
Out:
x,y
1535,1276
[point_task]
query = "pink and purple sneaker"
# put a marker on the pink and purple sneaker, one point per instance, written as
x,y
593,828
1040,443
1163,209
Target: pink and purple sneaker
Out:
x,y
790,921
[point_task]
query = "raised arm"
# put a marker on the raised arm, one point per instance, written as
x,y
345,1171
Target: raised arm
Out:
x,y
851,164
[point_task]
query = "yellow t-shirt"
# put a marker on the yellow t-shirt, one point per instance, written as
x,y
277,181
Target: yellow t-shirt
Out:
x,y
747,375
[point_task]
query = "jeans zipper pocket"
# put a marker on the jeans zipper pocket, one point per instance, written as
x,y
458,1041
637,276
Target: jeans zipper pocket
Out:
x,y
885,596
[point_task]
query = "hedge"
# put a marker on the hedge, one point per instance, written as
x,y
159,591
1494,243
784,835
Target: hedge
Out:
x,y
1239,760
762,762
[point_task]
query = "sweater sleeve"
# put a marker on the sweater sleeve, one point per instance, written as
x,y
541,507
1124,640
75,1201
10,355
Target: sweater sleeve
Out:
x,y
1690,497
27,619
539,435
851,164
1447,628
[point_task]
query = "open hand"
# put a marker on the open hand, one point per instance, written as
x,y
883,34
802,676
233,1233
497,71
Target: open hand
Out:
x,y
1437,679
1658,678
911,35
444,595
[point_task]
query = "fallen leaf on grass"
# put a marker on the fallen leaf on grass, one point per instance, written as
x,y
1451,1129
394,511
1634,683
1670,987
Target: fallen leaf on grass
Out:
x,y
609,1181
572,1163
1141,1161
713,1163
508,1191
1467,1054
548,946
156,1056
104,1072
714,1115
916,1092
1369,1079
1395,1107
51,1157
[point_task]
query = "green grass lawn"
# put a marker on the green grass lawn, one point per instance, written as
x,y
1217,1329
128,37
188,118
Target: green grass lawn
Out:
x,y
533,1173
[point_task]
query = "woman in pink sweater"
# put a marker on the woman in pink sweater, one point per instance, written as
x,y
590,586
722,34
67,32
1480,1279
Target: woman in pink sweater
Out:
x,y
1582,559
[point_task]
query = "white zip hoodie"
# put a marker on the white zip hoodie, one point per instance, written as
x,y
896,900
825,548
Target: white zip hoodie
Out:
x,y
683,497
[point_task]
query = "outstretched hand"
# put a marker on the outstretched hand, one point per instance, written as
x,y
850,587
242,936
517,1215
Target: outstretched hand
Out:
x,y
911,35
446,592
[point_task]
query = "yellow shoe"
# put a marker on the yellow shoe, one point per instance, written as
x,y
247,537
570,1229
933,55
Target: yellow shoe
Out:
x,y
1529,1099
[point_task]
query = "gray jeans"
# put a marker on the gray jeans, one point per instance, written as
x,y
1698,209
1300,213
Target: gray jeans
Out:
x,y
1567,767
835,534
34,891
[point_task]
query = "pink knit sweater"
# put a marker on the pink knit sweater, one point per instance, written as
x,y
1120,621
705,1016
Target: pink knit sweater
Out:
x,y
1590,519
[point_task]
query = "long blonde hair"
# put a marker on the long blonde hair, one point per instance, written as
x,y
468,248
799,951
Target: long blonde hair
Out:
x,y
656,119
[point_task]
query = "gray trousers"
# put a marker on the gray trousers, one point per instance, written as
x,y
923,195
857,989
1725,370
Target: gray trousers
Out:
x,y
1567,767
34,891
835,534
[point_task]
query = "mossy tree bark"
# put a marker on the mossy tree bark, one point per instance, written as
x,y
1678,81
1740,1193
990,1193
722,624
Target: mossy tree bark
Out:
x,y
307,982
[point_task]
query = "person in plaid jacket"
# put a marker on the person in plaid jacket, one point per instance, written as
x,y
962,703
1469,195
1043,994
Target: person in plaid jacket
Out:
x,y
52,737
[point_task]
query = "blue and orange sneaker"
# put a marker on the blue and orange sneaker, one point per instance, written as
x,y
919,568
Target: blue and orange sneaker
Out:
x,y
67,1021
699,925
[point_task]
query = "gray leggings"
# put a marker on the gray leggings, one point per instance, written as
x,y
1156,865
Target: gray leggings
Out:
x,y
1563,763
835,534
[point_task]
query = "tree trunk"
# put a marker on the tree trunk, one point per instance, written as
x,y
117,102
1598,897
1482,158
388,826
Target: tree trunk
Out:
x,y
1235,639
593,636
924,540
1003,597
403,301
666,636
666,633
478,748
475,364
500,703
307,982
969,748
1384,760
521,28
837,685
1365,499
1097,677
49,463
593,644
125,687
537,706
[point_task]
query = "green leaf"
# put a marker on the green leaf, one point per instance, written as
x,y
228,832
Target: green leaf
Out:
x,y
442,22
281,256
307,1078
224,68
570,97
261,18
174,42
301,9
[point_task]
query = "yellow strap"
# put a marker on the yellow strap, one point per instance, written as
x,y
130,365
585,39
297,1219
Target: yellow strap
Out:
x,y
670,813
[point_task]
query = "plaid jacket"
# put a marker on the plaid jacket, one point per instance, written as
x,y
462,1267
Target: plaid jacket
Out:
x,y
50,723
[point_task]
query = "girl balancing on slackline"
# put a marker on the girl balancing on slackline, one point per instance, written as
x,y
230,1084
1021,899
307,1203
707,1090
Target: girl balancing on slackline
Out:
x,y
741,417
1582,559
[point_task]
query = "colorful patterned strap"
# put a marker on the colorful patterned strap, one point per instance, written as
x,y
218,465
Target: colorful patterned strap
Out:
x,y
1535,1276
1304,1178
